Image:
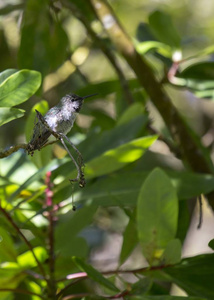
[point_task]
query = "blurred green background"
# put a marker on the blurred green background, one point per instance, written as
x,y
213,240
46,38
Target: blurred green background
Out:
x,y
125,142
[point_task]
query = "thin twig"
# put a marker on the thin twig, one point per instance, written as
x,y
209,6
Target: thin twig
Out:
x,y
83,275
12,149
50,213
5,213
200,212
77,296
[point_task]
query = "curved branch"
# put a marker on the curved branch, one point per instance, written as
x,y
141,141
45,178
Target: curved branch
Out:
x,y
10,220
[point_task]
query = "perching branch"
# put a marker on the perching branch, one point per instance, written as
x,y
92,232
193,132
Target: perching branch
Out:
x,y
12,149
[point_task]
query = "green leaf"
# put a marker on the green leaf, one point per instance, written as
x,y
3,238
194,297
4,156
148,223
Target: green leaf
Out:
x,y
211,244
27,260
70,225
124,187
172,253
117,158
94,274
198,77
7,250
8,114
5,74
106,87
36,176
130,240
157,214
163,28
161,48
43,40
19,87
194,275
203,71
142,286
95,145
131,112
10,276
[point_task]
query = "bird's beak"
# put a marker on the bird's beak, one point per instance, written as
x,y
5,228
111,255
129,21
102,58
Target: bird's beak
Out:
x,y
88,96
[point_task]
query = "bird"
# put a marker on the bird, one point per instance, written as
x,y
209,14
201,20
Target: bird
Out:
x,y
59,119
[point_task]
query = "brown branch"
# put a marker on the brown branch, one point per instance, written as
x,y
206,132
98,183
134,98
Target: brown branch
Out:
x,y
15,148
83,275
12,149
177,127
50,215
77,296
10,220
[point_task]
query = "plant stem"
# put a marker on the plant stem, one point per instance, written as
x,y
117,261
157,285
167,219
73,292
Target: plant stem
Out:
x,y
10,220
50,215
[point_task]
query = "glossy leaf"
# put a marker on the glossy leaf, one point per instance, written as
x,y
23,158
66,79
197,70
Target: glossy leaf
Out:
x,y
5,74
161,48
43,47
131,112
8,114
163,28
27,260
36,176
194,275
203,71
94,274
211,244
7,249
172,253
19,87
124,187
130,240
71,225
117,158
198,77
157,213
106,87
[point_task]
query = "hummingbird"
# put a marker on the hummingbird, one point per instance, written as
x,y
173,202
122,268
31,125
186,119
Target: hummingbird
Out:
x,y
60,120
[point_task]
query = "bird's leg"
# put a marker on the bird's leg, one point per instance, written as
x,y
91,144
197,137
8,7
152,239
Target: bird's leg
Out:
x,y
59,136
74,161
80,158
80,161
